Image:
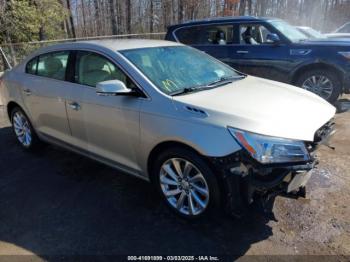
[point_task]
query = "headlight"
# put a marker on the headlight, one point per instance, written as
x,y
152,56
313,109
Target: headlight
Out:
x,y
267,150
345,54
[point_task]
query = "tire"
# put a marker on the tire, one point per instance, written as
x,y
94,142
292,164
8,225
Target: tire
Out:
x,y
311,80
189,188
21,125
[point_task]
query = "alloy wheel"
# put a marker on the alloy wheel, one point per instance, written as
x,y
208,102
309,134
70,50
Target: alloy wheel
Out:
x,y
22,129
184,186
320,85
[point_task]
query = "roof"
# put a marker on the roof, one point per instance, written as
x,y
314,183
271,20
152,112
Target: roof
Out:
x,y
113,45
225,19
123,44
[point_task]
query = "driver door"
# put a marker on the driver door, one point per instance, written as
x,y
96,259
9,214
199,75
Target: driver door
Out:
x,y
107,127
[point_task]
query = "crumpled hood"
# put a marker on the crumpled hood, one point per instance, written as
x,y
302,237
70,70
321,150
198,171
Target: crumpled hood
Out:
x,y
262,106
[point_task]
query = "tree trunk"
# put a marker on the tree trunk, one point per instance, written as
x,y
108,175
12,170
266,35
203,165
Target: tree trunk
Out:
x,y
250,7
112,7
242,7
151,17
72,27
181,11
128,16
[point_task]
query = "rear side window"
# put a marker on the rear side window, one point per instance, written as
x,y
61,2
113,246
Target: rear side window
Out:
x,y
31,66
53,65
206,35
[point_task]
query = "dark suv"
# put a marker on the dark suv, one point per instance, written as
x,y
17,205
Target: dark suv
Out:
x,y
271,48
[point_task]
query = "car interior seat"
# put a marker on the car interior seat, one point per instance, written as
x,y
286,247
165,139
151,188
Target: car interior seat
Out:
x,y
92,70
53,68
248,38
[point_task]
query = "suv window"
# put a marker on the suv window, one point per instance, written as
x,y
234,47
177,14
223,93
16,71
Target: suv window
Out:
x,y
253,34
92,68
53,65
206,35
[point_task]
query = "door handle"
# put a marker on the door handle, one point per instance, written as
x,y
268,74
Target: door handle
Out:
x,y
27,92
74,105
242,52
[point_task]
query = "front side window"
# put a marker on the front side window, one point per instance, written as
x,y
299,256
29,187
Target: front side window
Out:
x,y
206,35
253,34
175,68
53,65
92,68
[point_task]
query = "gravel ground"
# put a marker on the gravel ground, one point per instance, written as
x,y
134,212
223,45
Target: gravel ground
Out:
x,y
56,203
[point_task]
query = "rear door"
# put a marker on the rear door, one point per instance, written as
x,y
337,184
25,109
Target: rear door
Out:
x,y
44,91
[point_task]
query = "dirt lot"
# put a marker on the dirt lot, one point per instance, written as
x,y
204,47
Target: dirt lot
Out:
x,y
59,203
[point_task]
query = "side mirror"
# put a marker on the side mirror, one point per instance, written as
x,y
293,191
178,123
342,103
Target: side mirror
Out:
x,y
113,88
273,38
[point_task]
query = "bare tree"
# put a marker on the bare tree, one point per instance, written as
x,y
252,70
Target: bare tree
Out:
x,y
71,21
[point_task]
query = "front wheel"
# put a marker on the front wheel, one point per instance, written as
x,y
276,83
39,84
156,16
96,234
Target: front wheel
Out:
x,y
186,183
322,82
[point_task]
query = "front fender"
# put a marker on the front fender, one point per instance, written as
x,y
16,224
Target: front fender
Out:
x,y
206,139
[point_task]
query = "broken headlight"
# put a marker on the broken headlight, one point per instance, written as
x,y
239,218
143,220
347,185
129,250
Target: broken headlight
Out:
x,y
268,150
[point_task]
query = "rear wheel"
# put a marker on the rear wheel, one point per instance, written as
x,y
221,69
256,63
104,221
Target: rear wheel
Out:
x,y
186,183
322,82
23,130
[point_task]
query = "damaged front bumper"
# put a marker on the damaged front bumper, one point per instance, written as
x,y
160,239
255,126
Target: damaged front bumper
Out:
x,y
245,180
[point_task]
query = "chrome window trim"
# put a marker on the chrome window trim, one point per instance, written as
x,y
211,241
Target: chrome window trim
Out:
x,y
108,57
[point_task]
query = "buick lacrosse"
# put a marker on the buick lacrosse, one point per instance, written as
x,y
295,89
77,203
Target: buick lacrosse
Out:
x,y
204,134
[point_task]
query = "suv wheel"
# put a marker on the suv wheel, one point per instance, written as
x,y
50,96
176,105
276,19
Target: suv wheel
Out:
x,y
23,129
321,82
186,183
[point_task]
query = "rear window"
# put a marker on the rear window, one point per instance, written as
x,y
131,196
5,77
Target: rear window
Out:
x,y
31,66
53,65
206,35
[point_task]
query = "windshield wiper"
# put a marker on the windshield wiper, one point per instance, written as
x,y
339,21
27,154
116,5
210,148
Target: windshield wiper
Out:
x,y
185,90
221,81
224,80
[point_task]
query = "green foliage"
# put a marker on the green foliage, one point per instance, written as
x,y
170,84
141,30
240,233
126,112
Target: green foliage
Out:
x,y
51,15
23,20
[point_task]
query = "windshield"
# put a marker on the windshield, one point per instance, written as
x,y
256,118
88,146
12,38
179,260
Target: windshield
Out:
x,y
288,31
177,68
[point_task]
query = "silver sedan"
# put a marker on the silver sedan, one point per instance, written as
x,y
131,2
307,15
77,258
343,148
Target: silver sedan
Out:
x,y
201,132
